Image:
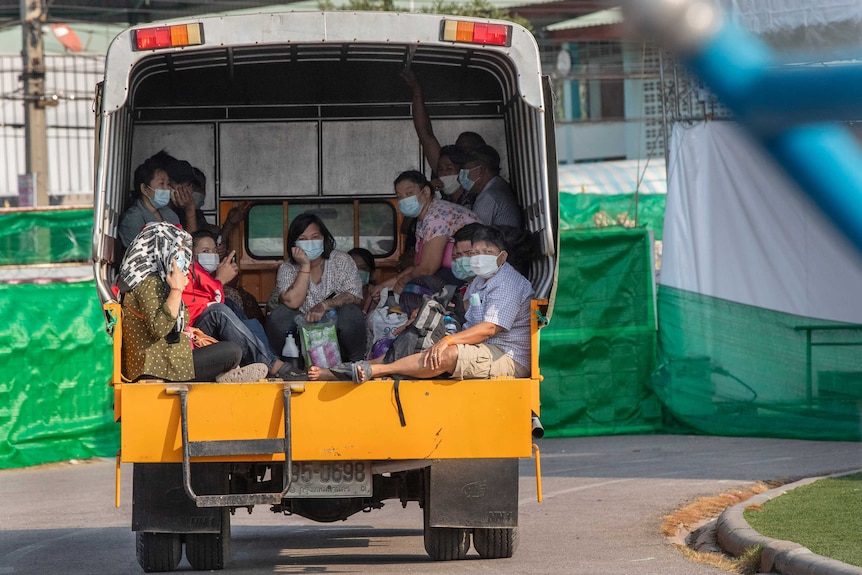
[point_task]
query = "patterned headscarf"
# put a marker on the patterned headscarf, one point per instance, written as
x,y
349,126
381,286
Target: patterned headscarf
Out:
x,y
154,250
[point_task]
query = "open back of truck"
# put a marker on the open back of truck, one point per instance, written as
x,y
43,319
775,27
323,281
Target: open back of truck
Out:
x,y
308,111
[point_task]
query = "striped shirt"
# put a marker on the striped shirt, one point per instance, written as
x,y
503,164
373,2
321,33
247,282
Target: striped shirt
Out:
x,y
504,300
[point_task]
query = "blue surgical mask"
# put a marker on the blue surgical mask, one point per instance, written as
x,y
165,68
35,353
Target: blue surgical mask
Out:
x,y
484,265
364,276
461,268
199,199
183,262
312,248
464,179
410,206
160,198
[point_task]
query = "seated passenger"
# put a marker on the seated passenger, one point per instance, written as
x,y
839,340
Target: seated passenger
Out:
x,y
364,261
188,198
204,297
436,222
317,278
152,194
156,343
462,242
446,180
495,204
495,341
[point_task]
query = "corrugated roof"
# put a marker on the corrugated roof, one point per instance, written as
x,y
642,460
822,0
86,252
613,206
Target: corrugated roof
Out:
x,y
616,177
600,18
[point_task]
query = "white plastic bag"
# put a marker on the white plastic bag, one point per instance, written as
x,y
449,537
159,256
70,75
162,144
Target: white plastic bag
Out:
x,y
382,322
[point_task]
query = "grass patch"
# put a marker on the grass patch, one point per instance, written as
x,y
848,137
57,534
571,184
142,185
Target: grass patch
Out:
x,y
824,516
705,508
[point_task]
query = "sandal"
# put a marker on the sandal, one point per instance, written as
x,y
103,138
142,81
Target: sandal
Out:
x,y
246,373
289,373
342,371
366,371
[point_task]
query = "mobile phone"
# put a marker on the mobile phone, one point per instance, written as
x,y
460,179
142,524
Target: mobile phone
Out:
x,y
174,196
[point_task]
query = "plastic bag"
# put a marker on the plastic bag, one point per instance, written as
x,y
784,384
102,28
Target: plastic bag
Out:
x,y
319,341
381,321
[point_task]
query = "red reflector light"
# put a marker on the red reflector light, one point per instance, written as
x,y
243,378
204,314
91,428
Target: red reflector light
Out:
x,y
168,36
493,34
476,33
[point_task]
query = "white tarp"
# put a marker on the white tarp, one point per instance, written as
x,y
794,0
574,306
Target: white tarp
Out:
x,y
800,24
737,228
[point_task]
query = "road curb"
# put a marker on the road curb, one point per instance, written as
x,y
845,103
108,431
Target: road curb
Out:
x,y
735,536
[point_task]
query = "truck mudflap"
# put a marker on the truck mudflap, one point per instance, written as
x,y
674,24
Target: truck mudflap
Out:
x,y
473,493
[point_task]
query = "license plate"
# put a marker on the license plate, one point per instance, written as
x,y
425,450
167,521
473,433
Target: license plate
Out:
x,y
330,479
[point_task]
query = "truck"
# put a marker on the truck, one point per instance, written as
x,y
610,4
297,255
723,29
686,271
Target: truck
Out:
x,y
307,111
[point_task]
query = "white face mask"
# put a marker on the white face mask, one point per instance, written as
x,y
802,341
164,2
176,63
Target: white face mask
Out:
x,y
208,261
484,266
450,184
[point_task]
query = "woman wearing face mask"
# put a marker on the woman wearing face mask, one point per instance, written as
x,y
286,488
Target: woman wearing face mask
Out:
x,y
156,343
152,195
436,222
495,341
317,278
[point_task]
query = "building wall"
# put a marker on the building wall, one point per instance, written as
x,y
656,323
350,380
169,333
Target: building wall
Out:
x,y
71,126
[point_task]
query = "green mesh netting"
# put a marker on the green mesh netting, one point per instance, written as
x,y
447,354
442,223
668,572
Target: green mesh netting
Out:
x,y
590,211
598,351
56,362
46,236
731,369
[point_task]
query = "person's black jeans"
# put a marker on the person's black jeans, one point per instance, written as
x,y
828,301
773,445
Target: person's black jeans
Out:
x,y
349,324
215,359
220,322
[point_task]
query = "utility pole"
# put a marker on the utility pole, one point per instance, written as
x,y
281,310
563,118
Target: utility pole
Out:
x,y
33,15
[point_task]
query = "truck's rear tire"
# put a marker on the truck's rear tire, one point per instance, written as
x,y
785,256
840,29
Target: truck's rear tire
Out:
x,y
495,542
158,551
210,551
444,543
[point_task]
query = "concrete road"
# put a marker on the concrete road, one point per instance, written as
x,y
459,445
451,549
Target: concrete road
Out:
x,y
603,502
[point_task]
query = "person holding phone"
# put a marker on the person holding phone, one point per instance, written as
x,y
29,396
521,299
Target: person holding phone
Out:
x,y
156,341
217,316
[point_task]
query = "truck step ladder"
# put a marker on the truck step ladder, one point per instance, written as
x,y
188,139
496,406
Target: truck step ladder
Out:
x,y
232,447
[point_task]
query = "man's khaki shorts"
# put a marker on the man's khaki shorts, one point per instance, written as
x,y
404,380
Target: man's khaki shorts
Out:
x,y
486,361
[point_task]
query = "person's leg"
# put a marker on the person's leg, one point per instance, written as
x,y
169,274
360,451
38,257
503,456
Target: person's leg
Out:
x,y
236,308
221,323
413,365
352,332
255,327
277,324
213,360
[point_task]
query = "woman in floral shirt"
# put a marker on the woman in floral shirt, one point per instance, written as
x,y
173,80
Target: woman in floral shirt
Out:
x,y
436,221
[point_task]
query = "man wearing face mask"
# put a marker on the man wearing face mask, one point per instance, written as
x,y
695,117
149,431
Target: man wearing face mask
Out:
x,y
210,312
495,341
495,204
